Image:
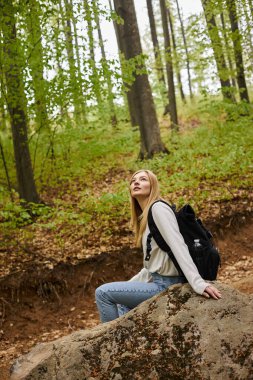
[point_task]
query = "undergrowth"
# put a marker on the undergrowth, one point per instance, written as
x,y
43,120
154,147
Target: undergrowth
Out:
x,y
82,173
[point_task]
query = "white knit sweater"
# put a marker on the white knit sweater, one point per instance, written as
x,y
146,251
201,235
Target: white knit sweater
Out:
x,y
159,261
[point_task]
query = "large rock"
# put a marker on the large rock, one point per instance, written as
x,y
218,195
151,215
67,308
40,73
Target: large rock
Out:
x,y
175,335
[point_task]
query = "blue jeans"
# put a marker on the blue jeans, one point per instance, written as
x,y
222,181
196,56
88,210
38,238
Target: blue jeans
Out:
x,y
117,298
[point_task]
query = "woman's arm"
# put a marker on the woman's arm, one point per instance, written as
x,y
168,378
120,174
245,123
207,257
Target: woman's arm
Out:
x,y
143,276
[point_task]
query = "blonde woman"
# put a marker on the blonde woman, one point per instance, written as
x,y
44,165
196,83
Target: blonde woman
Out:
x,y
158,273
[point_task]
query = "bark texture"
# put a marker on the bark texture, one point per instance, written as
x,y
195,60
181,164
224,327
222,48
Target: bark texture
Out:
x,y
35,61
220,60
173,37
140,99
156,48
236,38
169,67
186,49
16,102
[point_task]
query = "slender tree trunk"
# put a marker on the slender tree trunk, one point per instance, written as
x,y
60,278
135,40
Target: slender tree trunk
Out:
x,y
251,7
179,80
124,94
61,100
228,49
76,45
3,116
217,49
145,112
157,53
169,67
35,62
95,80
248,29
6,170
156,48
78,60
74,85
107,73
3,113
236,38
16,103
186,50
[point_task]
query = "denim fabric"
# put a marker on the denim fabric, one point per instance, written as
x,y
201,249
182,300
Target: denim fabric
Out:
x,y
117,298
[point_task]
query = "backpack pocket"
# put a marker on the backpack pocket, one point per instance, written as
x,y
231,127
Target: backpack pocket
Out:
x,y
207,260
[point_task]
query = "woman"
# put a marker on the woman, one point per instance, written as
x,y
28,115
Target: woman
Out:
x,y
116,298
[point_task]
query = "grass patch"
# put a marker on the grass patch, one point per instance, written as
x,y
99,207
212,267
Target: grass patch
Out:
x,y
87,170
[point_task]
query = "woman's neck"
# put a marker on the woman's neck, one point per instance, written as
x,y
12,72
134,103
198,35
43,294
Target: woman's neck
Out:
x,y
142,203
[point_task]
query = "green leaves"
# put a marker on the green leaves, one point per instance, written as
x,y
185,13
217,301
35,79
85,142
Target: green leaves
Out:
x,y
15,215
132,67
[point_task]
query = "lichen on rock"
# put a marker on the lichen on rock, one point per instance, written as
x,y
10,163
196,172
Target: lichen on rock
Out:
x,y
174,335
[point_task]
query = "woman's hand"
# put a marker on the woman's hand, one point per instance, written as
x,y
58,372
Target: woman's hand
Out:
x,y
211,291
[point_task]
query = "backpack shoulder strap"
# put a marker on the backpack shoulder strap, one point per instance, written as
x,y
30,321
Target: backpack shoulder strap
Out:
x,y
154,231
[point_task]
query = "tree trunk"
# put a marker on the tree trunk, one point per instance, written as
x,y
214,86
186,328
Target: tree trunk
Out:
x,y
186,49
169,67
248,30
3,118
144,107
35,62
251,7
78,60
6,170
107,73
74,85
156,48
16,103
179,80
95,76
228,49
119,32
227,92
3,113
62,104
236,38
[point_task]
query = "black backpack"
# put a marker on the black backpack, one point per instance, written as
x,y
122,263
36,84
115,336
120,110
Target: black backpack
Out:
x,y
198,239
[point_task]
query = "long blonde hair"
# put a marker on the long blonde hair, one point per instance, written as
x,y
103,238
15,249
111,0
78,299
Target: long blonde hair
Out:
x,y
139,217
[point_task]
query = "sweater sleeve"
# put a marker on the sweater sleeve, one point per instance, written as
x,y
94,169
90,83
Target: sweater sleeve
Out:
x,y
167,224
143,276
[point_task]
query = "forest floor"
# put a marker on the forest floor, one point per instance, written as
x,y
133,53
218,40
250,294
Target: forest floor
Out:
x,y
43,298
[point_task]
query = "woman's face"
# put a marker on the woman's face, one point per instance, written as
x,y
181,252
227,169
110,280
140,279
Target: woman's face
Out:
x,y
140,186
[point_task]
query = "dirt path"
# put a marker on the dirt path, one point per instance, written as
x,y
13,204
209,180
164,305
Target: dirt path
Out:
x,y
39,304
